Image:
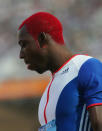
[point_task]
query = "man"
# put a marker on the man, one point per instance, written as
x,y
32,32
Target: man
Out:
x,y
73,99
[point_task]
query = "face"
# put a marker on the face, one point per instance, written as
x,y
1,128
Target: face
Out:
x,y
35,58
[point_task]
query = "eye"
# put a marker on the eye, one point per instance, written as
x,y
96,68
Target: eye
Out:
x,y
23,44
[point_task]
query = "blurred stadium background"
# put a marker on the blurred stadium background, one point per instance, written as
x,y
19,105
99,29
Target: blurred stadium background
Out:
x,y
20,89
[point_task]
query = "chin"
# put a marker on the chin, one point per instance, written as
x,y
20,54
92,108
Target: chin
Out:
x,y
38,70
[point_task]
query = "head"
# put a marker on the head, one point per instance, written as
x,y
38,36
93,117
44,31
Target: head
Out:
x,y
38,35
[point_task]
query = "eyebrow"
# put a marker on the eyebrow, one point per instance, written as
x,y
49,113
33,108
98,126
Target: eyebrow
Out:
x,y
22,41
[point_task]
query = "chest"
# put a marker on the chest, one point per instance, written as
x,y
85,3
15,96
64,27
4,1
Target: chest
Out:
x,y
60,91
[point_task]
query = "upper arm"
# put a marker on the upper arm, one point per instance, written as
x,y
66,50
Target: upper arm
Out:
x,y
90,81
95,114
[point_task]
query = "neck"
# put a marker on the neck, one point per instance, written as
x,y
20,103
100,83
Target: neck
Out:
x,y
60,56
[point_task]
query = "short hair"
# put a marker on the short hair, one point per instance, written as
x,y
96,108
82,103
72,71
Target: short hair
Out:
x,y
44,22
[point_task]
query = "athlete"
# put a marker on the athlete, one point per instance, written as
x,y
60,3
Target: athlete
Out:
x,y
73,99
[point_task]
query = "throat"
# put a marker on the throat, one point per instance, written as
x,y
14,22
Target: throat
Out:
x,y
59,62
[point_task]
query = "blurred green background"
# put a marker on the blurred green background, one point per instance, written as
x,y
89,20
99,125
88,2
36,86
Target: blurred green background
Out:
x,y
82,24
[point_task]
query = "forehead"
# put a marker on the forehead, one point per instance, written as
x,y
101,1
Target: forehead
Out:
x,y
23,34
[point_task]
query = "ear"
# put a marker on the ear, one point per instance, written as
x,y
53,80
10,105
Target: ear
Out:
x,y
42,40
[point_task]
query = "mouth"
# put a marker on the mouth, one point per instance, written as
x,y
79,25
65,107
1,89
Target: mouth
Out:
x,y
26,62
28,66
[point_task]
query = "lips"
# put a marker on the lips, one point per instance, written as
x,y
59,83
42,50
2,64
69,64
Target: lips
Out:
x,y
28,66
26,62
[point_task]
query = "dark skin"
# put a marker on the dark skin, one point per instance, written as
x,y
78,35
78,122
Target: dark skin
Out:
x,y
43,58
95,113
50,56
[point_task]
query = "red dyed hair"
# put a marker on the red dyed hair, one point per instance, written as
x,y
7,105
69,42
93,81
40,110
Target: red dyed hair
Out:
x,y
44,22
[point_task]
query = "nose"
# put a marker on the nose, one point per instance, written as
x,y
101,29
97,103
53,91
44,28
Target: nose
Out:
x,y
21,55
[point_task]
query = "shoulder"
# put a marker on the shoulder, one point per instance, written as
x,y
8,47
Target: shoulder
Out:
x,y
91,65
79,60
91,68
